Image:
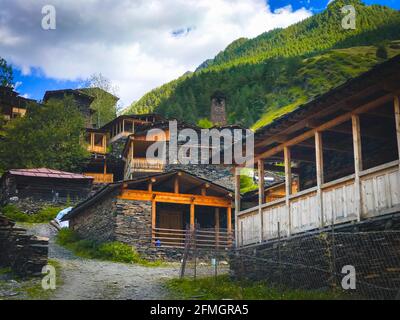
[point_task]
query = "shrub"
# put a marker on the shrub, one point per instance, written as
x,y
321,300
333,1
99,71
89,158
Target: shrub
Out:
x,y
46,214
107,251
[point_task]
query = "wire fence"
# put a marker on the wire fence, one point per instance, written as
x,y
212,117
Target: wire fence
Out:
x,y
363,265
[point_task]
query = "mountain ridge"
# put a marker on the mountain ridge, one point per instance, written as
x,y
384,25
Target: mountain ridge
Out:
x,y
259,75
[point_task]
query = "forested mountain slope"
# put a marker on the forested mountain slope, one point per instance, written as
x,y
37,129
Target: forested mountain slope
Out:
x,y
273,73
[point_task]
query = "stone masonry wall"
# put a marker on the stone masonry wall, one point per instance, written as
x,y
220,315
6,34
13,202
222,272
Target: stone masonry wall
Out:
x,y
98,222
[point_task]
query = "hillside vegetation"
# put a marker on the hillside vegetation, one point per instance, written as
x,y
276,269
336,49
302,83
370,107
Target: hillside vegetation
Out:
x,y
277,71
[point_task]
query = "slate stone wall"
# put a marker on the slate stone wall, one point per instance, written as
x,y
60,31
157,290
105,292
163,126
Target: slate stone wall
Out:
x,y
97,222
315,260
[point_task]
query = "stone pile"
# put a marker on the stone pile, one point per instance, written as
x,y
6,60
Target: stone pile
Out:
x,y
25,254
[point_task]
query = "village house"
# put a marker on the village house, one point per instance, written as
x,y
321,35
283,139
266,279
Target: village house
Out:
x,y
12,105
154,212
32,189
343,147
105,144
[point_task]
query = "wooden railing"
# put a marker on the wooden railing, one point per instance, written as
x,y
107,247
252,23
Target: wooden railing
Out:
x,y
379,195
97,149
200,238
101,177
143,164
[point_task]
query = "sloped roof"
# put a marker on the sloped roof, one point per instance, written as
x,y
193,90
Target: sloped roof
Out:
x,y
47,173
113,186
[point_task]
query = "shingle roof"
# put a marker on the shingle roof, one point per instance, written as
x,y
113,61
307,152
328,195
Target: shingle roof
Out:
x,y
47,173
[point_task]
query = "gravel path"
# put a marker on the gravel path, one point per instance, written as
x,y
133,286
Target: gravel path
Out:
x,y
85,279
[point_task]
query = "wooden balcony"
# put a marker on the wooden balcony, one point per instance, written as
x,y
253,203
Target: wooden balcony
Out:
x,y
100,177
146,165
97,149
379,194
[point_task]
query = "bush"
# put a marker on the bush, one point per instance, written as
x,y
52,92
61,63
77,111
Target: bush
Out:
x,y
46,214
107,251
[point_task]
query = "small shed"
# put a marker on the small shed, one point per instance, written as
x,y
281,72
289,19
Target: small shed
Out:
x,y
44,185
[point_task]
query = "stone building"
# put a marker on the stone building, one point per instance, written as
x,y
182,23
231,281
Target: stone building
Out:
x,y
152,213
218,109
32,189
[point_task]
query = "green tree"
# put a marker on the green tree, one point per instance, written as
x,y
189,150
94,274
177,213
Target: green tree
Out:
x,y
105,100
6,74
50,135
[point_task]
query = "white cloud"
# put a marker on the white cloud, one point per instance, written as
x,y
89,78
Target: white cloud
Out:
x,y
132,42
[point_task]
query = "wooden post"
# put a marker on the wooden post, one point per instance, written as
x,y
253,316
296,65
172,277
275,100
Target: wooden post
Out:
x,y
355,119
397,118
176,184
319,156
92,141
229,224
288,184
217,226
153,218
237,202
261,195
192,221
105,167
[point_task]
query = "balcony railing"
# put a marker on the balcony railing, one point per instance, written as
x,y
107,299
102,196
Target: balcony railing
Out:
x,y
97,149
143,164
101,177
379,193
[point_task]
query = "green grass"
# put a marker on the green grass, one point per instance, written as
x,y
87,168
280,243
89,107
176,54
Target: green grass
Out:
x,y
31,288
45,215
34,290
108,251
223,287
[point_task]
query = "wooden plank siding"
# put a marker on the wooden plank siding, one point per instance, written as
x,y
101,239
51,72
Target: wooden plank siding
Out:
x,y
364,194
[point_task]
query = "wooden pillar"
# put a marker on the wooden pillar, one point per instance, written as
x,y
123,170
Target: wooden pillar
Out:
x,y
176,184
153,218
92,141
319,156
237,202
105,166
229,224
192,217
288,183
397,118
217,226
261,195
355,119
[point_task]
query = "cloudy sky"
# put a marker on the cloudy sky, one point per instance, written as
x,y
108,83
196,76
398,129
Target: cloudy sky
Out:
x,y
138,44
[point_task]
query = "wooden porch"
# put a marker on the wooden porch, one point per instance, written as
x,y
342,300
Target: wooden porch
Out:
x,y
179,204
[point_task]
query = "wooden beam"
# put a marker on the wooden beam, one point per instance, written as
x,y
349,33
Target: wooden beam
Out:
x,y
153,216
229,219
332,123
357,163
150,187
176,184
319,156
261,195
167,197
288,183
192,216
236,174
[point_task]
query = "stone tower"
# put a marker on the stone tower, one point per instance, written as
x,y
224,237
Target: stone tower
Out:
x,y
218,109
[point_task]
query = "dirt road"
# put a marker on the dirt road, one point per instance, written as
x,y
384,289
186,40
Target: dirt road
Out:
x,y
85,279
